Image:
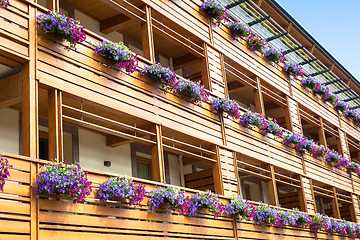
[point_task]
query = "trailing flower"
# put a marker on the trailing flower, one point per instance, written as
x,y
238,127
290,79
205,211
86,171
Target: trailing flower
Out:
x,y
337,160
354,115
274,54
330,97
119,53
342,106
239,29
4,171
194,90
123,188
293,69
4,4
354,167
63,26
265,214
161,74
319,223
225,105
238,205
255,41
61,178
264,125
319,151
297,139
209,201
171,195
215,10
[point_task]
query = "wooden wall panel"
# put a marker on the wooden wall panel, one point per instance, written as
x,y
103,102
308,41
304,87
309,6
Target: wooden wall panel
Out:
x,y
229,174
343,145
320,171
216,72
294,116
350,128
308,195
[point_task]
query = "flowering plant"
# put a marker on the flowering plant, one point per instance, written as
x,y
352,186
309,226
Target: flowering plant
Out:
x,y
253,119
274,54
239,29
118,52
320,222
255,41
176,199
266,214
215,10
4,4
293,69
319,151
333,157
311,83
354,115
161,74
330,97
341,106
61,178
194,90
297,139
225,105
125,188
207,200
238,205
302,219
4,171
64,26
354,167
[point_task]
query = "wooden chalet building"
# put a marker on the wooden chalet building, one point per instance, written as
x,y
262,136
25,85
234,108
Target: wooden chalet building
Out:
x,y
76,106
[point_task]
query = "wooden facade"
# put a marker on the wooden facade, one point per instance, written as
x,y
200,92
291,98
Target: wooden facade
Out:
x,y
85,90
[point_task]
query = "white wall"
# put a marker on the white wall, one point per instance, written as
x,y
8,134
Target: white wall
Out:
x,y
93,152
9,131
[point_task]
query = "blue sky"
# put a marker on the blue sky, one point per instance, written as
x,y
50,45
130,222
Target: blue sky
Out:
x,y
335,24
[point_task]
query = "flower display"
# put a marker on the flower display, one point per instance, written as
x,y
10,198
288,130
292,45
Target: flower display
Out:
x,y
4,171
63,26
319,223
4,4
319,151
341,106
265,214
238,205
354,115
161,74
171,195
354,167
123,188
209,201
62,178
274,54
194,90
255,41
264,125
215,10
239,29
225,105
297,139
293,69
119,53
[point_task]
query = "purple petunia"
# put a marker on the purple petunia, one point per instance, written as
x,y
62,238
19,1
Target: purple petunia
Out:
x,y
4,171
215,10
4,4
161,74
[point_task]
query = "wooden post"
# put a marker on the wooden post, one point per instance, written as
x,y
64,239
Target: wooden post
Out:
x,y
302,197
335,205
147,36
53,5
217,173
55,125
259,101
158,168
205,71
272,188
321,133
292,116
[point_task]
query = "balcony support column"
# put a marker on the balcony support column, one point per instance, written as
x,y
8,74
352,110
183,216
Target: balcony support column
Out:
x,y
158,166
147,36
55,125
259,101
274,198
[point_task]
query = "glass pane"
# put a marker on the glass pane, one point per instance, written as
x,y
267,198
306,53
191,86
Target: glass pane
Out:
x,y
143,170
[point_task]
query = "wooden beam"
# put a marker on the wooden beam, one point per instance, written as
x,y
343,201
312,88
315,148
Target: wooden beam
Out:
x,y
10,90
321,132
55,125
126,8
235,86
335,205
157,163
114,141
147,36
217,173
272,188
259,101
53,5
114,23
